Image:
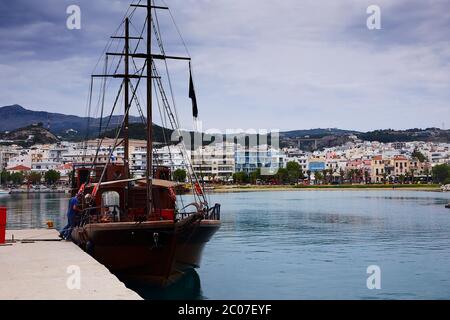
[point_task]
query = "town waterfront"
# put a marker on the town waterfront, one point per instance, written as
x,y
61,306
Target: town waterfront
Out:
x,y
306,244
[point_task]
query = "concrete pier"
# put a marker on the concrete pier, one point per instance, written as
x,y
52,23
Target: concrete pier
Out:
x,y
37,266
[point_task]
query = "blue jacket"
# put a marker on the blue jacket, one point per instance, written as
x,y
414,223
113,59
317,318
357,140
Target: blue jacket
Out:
x,y
73,202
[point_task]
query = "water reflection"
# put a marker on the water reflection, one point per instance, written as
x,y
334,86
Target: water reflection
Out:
x,y
187,287
27,211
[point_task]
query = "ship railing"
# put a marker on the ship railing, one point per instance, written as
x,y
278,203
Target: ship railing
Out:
x,y
86,217
212,213
183,213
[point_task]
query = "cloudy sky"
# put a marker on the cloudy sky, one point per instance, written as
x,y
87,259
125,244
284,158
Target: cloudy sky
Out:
x,y
291,64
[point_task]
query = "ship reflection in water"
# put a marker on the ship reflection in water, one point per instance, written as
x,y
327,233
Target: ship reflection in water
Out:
x,y
188,287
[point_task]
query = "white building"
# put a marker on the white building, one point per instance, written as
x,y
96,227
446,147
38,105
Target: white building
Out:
x,y
214,162
263,157
168,156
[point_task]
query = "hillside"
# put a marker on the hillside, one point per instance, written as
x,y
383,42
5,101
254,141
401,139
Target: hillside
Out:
x,y
427,135
67,126
137,131
160,134
314,139
29,135
318,133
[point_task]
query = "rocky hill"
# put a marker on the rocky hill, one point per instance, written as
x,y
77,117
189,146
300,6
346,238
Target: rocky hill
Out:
x,y
29,135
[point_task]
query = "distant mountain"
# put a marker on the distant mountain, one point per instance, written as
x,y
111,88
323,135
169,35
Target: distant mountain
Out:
x,y
390,135
75,128
317,133
315,139
15,117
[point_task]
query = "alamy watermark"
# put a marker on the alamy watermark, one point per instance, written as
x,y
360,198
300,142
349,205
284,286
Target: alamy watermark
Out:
x,y
73,21
373,22
374,279
73,282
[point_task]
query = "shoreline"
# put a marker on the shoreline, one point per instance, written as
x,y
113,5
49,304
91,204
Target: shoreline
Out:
x,y
238,189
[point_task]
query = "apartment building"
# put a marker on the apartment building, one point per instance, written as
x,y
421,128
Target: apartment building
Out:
x,y
215,162
377,171
263,157
401,165
168,156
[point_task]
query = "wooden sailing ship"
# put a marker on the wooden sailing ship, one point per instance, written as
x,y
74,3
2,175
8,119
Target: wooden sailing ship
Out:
x,y
134,225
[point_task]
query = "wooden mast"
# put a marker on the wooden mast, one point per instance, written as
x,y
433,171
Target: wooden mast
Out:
x,y
127,106
149,110
149,60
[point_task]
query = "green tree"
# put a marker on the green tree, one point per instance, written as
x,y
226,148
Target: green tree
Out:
x,y
384,177
412,175
419,155
366,177
179,175
325,176
5,177
319,176
308,175
282,175
17,178
441,173
34,177
341,176
240,177
294,171
255,175
52,176
351,175
426,172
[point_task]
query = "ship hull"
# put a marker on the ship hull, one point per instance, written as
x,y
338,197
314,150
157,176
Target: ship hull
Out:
x,y
158,252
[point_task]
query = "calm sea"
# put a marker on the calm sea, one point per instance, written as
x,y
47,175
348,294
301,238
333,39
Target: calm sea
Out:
x,y
304,244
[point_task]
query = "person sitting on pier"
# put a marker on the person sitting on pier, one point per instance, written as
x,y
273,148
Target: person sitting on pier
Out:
x,y
66,232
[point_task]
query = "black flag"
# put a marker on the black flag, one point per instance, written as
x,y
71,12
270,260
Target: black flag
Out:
x,y
192,94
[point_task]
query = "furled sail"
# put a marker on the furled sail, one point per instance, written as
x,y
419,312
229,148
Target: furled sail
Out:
x,y
192,94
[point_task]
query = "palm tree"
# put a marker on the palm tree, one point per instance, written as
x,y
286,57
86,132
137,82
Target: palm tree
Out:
x,y
325,176
412,175
318,175
426,171
384,177
351,175
366,176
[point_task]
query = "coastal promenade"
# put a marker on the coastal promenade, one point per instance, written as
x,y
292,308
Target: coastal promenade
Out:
x,y
260,188
36,265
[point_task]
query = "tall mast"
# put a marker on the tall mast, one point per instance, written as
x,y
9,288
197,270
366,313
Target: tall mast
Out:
x,y
127,106
149,110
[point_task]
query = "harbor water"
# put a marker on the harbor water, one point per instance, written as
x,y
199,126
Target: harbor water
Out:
x,y
303,244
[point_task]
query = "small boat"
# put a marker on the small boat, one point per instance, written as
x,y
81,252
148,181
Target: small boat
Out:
x,y
137,224
447,205
3,192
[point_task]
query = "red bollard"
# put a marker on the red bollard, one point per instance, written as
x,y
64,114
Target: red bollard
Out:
x,y
2,225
